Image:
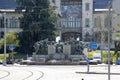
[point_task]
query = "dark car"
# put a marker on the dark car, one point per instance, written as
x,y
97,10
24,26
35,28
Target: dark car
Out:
x,y
117,62
9,62
111,62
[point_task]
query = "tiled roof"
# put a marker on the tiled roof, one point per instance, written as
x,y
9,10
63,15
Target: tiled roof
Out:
x,y
8,4
11,4
101,4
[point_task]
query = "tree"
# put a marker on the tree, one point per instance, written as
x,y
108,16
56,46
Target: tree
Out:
x,y
37,23
117,49
11,38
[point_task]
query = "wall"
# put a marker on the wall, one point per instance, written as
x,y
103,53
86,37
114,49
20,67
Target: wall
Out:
x,y
89,15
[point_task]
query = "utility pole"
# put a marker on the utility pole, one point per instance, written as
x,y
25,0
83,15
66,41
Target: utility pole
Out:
x,y
4,63
101,47
101,30
109,31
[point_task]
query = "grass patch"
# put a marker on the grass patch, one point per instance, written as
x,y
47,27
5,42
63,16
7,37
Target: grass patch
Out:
x,y
16,56
90,55
2,56
117,34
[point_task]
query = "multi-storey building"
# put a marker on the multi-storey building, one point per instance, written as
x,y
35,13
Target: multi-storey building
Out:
x,y
76,20
79,19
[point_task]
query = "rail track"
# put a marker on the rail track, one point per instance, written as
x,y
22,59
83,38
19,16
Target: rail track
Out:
x,y
8,73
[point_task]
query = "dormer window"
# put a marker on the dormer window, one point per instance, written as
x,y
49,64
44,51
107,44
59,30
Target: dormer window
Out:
x,y
87,6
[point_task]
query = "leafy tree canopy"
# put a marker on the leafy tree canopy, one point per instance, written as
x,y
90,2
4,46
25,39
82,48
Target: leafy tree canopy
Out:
x,y
38,22
11,38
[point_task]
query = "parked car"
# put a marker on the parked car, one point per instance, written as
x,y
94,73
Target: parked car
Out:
x,y
1,61
111,62
93,62
18,61
117,62
9,62
97,57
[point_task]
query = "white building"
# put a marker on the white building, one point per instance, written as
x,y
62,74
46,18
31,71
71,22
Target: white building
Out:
x,y
12,19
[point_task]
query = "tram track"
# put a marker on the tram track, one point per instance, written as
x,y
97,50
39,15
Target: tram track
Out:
x,y
42,74
8,73
32,74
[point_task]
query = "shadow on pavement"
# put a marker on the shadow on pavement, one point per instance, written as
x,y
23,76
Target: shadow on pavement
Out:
x,y
97,73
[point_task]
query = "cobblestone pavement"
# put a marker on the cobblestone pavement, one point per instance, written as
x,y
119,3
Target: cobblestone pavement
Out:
x,y
58,72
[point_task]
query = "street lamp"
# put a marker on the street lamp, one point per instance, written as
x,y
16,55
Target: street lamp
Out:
x,y
4,62
109,29
3,16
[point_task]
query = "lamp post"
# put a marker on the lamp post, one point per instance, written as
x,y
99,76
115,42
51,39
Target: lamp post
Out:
x,y
4,62
109,29
3,16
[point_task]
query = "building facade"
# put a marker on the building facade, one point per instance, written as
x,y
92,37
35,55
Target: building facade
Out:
x,y
79,19
76,20
10,18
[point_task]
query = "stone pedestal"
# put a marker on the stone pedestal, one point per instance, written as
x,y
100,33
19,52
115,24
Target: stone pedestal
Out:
x,y
34,56
67,49
85,51
51,49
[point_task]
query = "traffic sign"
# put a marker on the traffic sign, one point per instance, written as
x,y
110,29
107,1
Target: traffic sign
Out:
x,y
11,47
93,45
88,59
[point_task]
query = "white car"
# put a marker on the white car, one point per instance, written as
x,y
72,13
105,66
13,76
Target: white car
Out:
x,y
1,61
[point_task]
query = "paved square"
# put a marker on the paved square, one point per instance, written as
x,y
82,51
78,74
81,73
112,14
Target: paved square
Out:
x,y
57,72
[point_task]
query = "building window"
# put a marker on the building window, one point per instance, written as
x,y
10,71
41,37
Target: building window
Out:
x,y
1,23
6,23
95,22
77,23
71,22
65,24
87,6
13,22
53,1
87,22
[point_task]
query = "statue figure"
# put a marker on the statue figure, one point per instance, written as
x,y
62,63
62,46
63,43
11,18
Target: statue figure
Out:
x,y
39,44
